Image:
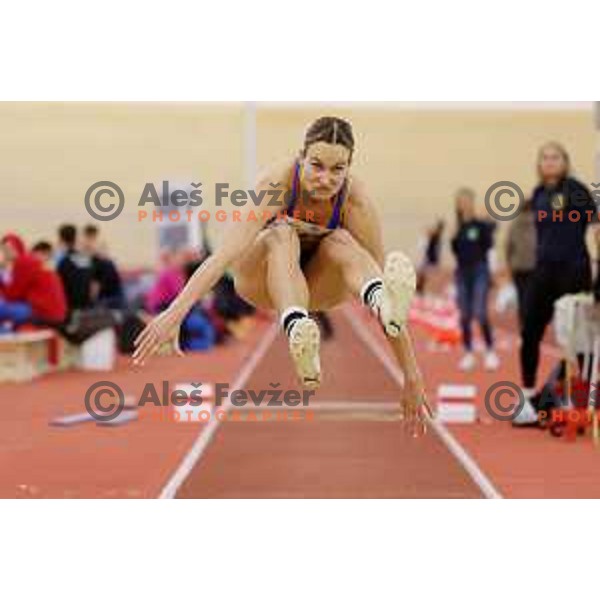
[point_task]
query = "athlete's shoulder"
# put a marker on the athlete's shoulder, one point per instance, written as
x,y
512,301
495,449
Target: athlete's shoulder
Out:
x,y
359,206
277,174
358,194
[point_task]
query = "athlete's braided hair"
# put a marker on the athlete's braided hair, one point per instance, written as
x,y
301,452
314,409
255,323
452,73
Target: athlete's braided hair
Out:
x,y
331,130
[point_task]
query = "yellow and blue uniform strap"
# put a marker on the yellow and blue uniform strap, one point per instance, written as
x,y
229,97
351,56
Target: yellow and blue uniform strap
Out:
x,y
336,217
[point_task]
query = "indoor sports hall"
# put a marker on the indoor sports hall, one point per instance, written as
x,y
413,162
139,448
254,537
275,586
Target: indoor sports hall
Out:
x,y
81,420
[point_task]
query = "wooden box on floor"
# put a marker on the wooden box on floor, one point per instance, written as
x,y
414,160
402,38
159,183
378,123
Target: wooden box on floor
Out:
x,y
27,355
24,356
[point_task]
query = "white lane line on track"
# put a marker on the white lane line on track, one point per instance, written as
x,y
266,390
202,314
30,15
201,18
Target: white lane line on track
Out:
x,y
206,435
327,406
468,463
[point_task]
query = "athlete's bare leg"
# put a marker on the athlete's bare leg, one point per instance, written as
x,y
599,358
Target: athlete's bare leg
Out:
x,y
339,269
342,266
270,277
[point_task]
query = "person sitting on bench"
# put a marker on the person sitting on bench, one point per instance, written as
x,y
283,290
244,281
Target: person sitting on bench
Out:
x,y
29,292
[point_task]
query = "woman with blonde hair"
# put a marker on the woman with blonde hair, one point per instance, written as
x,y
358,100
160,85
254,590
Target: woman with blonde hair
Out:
x,y
563,208
473,239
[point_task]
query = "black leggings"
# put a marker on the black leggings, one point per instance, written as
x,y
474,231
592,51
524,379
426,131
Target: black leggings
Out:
x,y
522,281
548,283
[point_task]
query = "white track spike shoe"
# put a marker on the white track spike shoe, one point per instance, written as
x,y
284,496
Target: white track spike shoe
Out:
x,y
399,286
304,341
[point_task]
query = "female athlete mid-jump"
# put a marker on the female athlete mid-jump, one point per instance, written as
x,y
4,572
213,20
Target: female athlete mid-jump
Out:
x,y
324,245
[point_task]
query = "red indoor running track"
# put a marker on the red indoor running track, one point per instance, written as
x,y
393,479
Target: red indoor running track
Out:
x,y
353,447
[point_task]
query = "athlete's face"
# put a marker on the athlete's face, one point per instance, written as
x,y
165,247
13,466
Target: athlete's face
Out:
x,y
553,165
325,169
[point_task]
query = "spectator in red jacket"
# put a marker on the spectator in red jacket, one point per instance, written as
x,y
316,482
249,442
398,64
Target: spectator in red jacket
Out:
x,y
44,252
29,292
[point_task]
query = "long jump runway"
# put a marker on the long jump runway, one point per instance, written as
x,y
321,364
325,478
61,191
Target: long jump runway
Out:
x,y
353,445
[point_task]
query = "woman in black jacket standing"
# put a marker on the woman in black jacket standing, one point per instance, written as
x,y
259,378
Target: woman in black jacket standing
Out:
x,y
563,209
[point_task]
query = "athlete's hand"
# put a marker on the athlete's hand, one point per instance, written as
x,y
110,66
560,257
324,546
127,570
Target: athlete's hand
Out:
x,y
415,408
163,328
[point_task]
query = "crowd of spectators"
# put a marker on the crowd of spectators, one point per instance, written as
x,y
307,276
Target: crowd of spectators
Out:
x,y
74,284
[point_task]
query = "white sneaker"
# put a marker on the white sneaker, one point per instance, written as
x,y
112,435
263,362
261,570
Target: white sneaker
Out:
x,y
491,362
304,343
399,286
467,362
527,416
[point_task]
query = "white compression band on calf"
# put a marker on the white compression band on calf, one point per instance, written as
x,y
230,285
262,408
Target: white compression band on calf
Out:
x,y
371,293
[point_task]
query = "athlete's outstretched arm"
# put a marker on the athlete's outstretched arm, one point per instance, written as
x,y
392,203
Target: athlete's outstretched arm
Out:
x,y
365,226
237,240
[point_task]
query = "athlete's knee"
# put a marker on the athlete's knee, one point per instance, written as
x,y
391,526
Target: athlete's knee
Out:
x,y
341,247
342,237
282,236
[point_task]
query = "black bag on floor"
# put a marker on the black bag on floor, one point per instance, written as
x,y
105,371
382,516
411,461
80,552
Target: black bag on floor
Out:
x,y
83,324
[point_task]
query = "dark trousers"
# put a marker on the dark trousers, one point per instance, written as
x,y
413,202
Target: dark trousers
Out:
x,y
548,283
473,286
522,281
